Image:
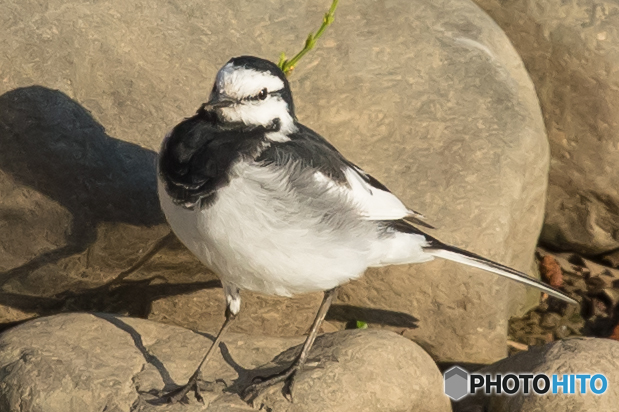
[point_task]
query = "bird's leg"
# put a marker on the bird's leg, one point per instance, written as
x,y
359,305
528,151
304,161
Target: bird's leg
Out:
x,y
232,309
160,244
288,375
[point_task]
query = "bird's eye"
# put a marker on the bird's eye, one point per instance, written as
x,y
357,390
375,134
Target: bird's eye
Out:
x,y
263,94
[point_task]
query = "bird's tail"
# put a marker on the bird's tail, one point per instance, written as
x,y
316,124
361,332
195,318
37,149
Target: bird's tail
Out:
x,y
455,254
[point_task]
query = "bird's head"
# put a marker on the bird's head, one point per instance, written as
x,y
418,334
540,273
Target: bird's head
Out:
x,y
254,92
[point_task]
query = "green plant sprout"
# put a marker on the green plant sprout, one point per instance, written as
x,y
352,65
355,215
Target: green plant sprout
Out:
x,y
287,66
361,325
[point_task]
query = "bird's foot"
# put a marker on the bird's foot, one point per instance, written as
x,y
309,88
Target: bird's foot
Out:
x,y
196,385
262,383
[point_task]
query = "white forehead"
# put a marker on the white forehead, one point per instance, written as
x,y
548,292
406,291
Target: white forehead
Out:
x,y
241,82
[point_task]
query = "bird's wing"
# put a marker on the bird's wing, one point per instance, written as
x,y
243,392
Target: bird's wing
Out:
x,y
311,151
376,201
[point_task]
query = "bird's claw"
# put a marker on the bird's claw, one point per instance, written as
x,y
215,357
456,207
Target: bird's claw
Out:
x,y
180,394
260,384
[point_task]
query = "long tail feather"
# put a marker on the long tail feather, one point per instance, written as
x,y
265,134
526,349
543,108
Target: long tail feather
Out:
x,y
471,259
439,249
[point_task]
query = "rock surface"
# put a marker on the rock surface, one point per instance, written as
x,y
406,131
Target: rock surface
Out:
x,y
571,50
579,355
427,96
95,362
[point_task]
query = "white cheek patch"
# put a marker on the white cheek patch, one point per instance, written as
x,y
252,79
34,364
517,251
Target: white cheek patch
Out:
x,y
261,112
239,82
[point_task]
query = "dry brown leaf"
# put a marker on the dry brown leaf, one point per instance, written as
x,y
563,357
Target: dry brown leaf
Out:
x,y
551,271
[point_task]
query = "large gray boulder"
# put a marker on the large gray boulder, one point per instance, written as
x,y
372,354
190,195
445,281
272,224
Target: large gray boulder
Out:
x,y
571,50
84,363
578,355
428,96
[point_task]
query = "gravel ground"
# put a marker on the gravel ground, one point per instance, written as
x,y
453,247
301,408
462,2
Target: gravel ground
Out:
x,y
593,285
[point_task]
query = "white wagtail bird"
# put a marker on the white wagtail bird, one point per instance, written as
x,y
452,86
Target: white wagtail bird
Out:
x,y
270,206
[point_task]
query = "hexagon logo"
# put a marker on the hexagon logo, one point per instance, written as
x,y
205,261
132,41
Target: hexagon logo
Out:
x,y
456,383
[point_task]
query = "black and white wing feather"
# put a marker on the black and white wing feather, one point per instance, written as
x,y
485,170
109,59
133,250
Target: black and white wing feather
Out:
x,y
372,199
375,202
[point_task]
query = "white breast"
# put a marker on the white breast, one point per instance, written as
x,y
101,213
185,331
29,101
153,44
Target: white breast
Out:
x,y
258,236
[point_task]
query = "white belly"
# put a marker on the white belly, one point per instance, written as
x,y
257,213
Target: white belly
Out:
x,y
255,242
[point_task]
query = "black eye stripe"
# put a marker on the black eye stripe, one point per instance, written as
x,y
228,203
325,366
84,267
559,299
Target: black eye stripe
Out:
x,y
257,96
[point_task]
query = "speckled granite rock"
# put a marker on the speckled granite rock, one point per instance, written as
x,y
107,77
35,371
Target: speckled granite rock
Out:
x,y
571,49
83,363
579,355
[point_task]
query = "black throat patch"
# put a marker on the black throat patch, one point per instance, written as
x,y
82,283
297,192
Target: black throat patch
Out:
x,y
196,157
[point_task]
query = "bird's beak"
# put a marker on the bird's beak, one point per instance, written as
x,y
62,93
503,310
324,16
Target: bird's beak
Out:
x,y
219,101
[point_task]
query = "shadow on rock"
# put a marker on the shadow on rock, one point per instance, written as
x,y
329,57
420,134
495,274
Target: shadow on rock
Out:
x,y
132,298
348,313
53,145
137,339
